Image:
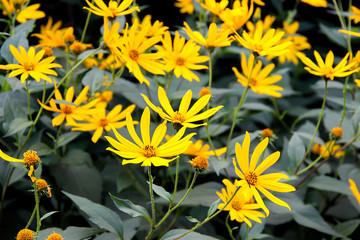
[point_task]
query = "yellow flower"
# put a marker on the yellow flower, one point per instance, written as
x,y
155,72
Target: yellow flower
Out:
x,y
215,38
337,132
113,9
299,43
153,30
147,151
30,63
267,132
241,207
42,185
204,91
236,17
332,149
251,174
325,68
182,57
111,62
200,162
31,161
186,6
78,47
259,2
101,121
71,111
25,234
54,236
51,35
266,25
316,3
199,148
30,12
260,81
69,35
355,16
133,48
267,44
356,34
111,37
354,190
215,7
184,116
104,98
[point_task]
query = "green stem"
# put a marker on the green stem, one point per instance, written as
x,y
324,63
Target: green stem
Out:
x,y
86,24
340,16
228,227
28,97
31,218
152,228
38,220
179,203
176,181
316,129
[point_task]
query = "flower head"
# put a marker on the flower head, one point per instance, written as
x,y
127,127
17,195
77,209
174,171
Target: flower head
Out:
x,y
215,7
264,44
184,116
355,14
241,207
72,110
69,35
147,151
182,57
236,17
30,63
215,37
133,49
326,69
200,162
251,174
204,91
101,121
23,13
316,3
78,47
112,37
51,35
260,81
186,6
267,132
330,149
112,10
54,236
337,132
25,234
200,149
354,190
155,29
42,185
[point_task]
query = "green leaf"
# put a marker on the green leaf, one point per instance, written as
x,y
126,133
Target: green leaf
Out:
x,y
130,208
191,219
217,164
191,236
102,216
27,26
213,207
48,215
295,150
334,35
5,170
257,107
71,232
329,184
256,229
76,174
18,125
348,227
42,149
65,102
214,130
65,138
94,79
162,192
18,39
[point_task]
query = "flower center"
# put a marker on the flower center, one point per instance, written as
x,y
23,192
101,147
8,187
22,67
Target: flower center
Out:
x,y
149,151
29,67
253,82
258,48
200,162
31,157
178,118
251,178
113,8
180,61
134,55
103,122
67,109
236,205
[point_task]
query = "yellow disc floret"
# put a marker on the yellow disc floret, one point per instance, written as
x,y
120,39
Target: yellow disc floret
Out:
x,y
204,91
267,132
55,236
25,234
41,184
200,162
337,132
31,158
